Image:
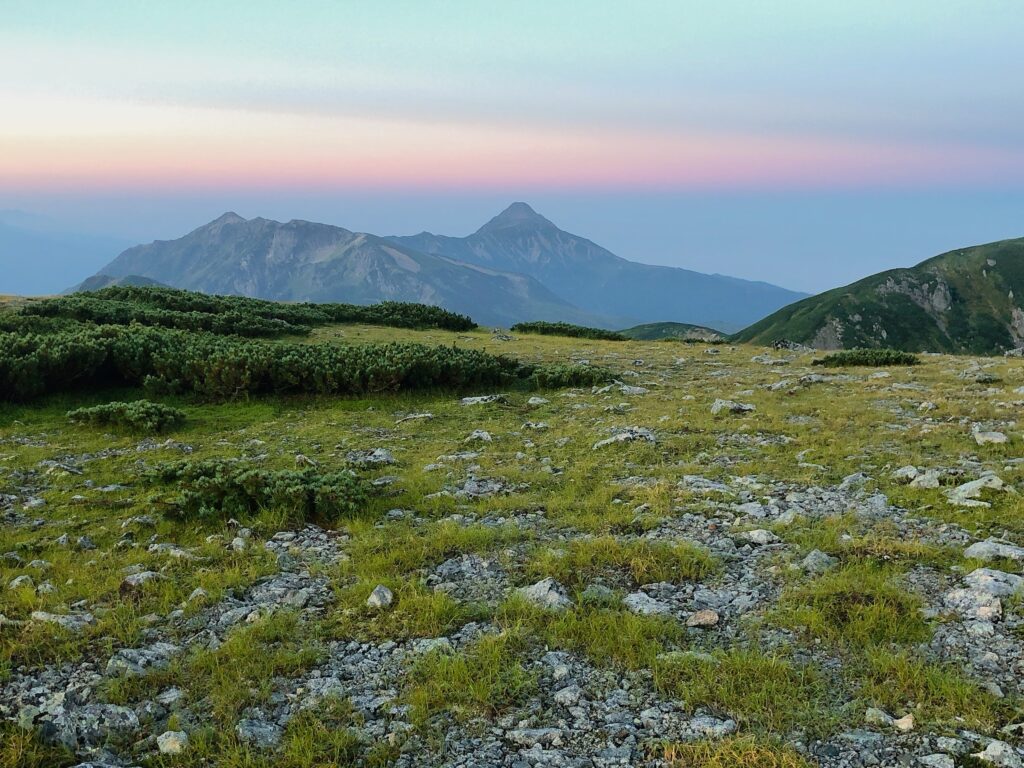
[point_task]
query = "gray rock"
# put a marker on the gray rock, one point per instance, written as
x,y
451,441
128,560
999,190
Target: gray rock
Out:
x,y
626,435
731,406
992,549
643,604
380,598
1000,754
258,733
73,622
546,593
818,562
172,742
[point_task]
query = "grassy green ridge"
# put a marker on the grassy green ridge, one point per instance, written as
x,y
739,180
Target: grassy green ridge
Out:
x,y
658,331
962,301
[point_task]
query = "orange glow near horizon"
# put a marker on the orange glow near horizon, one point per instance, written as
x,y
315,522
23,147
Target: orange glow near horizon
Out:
x,y
96,145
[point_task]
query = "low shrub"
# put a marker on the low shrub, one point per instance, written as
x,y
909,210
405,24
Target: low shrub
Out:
x,y
219,367
216,489
139,415
568,329
867,358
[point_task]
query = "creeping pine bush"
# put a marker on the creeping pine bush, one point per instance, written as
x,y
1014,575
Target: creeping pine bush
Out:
x,y
231,315
140,415
216,489
867,357
567,329
222,367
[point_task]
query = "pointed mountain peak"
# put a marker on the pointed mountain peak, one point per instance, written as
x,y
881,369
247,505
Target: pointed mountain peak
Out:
x,y
228,218
516,215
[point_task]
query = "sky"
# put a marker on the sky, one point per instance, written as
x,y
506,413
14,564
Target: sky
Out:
x,y
803,142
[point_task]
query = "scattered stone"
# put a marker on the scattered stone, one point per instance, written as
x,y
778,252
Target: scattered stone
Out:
x,y
380,598
172,742
990,438
546,593
133,583
817,562
258,733
482,400
731,406
760,537
1000,754
992,549
73,622
703,619
626,435
644,605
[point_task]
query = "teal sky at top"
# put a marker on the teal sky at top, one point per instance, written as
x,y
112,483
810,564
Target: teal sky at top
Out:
x,y
939,71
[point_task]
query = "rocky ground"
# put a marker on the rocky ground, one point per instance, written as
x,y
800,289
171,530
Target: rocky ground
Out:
x,y
726,557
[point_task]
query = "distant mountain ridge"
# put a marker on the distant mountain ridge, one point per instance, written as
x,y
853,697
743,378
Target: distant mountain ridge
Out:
x,y
595,279
305,261
968,300
519,266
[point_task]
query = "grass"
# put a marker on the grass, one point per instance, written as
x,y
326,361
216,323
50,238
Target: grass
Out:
x,y
606,636
643,560
417,612
855,606
485,678
769,692
937,693
734,752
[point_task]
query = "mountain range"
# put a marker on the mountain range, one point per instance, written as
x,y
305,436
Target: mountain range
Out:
x,y
519,266
967,301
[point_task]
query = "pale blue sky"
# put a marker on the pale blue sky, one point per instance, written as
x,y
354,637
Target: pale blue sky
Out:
x,y
888,130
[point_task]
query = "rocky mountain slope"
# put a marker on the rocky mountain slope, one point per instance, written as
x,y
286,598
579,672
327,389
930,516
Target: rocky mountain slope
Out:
x,y
301,260
595,279
968,300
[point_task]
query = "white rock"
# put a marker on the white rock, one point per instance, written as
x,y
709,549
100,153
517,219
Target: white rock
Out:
x,y
1000,754
731,406
905,474
546,593
966,495
568,696
993,582
990,438
927,479
172,742
380,598
629,434
645,605
761,537
73,622
992,549
905,723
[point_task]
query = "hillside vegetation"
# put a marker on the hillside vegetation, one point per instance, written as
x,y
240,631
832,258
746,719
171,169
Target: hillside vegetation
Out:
x,y
968,300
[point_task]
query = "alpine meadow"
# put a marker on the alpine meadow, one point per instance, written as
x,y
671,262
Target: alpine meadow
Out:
x,y
384,468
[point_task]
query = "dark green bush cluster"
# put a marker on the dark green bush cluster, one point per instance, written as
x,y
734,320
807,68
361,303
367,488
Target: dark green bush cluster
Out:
x,y
140,415
219,489
93,308
567,329
228,315
867,357
557,376
222,367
